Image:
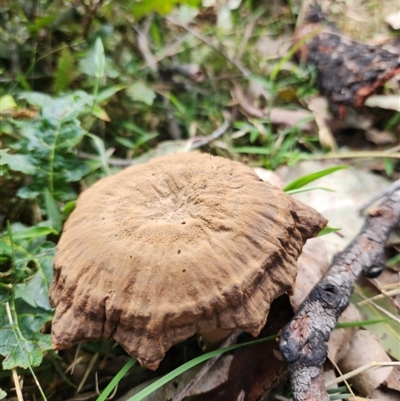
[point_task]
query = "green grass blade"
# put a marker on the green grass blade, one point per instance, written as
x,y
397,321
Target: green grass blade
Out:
x,y
190,364
300,182
297,191
29,233
360,323
113,383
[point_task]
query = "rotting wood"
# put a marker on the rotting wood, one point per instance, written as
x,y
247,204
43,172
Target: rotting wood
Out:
x,y
303,340
348,72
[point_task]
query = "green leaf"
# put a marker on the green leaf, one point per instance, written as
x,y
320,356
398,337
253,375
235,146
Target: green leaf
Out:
x,y
21,342
99,58
256,150
99,145
65,71
31,232
4,156
53,213
300,182
141,93
107,93
7,102
298,191
114,382
68,208
328,230
3,394
21,163
393,261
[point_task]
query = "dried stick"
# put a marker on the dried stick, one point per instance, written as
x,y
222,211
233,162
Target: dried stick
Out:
x,y
303,340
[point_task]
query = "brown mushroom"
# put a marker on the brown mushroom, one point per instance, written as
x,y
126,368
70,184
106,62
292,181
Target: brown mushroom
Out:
x,y
183,244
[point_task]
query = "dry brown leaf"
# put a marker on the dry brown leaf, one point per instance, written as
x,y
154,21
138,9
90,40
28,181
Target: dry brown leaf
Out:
x,y
365,348
276,115
269,176
321,114
379,137
272,47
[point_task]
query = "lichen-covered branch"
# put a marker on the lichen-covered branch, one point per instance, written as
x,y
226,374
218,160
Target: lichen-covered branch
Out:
x,y
303,341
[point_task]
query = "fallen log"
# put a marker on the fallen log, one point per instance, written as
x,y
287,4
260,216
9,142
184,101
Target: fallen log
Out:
x,y
348,72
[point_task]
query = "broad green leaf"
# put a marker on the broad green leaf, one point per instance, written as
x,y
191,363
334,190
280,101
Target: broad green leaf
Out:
x,y
21,342
65,71
35,291
27,193
37,99
7,102
99,58
100,113
53,213
3,394
22,163
24,304
141,93
107,93
300,182
46,149
4,156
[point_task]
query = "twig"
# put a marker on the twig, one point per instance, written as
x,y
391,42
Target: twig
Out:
x,y
205,40
206,367
143,44
303,341
87,372
197,142
201,141
361,369
388,191
112,395
18,389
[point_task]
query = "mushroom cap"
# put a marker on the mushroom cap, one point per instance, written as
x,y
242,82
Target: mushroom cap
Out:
x,y
183,244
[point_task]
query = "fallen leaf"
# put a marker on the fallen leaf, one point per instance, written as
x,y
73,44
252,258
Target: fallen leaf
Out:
x,y
390,102
393,20
379,138
365,348
388,332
